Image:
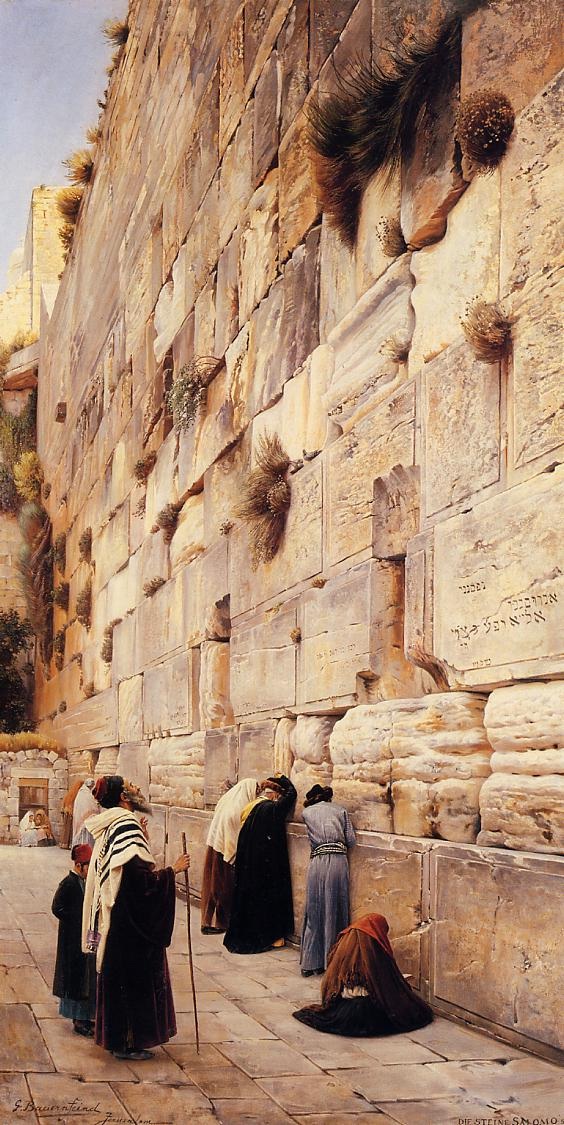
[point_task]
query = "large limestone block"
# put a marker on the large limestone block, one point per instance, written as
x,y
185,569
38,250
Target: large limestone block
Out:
x,y
284,746
531,174
523,812
202,245
91,724
299,417
170,695
299,556
256,749
222,490
438,737
220,765
211,435
176,768
236,177
263,663
130,709
455,271
227,296
188,540
215,706
258,247
152,561
379,440
312,762
110,548
161,485
107,761
133,763
170,309
352,639
195,825
298,203
498,586
267,112
206,587
523,802
159,624
157,833
337,290
231,83
395,517
359,748
121,591
461,429
537,407
363,371
378,200
491,960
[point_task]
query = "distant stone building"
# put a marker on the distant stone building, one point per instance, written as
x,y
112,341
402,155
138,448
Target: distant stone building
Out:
x,y
404,643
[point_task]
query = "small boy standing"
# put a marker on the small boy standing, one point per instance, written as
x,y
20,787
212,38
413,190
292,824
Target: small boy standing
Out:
x,y
75,972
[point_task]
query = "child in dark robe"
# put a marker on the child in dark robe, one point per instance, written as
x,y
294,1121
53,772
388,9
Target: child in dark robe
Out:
x,y
75,972
363,992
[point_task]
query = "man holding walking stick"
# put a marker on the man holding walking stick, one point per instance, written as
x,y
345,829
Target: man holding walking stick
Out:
x,y
128,921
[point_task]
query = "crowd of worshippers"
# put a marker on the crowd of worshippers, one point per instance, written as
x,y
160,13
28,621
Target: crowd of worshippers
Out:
x,y
116,914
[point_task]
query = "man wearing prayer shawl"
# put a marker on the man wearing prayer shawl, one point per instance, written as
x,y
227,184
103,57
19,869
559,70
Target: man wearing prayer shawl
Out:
x,y
363,992
261,912
75,972
219,872
128,920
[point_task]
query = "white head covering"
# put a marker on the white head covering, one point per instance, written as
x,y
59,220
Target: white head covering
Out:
x,y
84,806
226,822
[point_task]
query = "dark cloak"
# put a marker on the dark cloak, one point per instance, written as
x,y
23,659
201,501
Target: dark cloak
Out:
x,y
261,910
391,1006
217,890
75,971
134,1006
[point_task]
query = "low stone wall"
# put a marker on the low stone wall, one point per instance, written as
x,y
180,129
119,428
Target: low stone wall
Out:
x,y
477,929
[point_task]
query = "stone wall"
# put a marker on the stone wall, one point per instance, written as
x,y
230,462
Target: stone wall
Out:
x,y
420,567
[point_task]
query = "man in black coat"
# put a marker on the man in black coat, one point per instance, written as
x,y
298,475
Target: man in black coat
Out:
x,y
262,915
75,972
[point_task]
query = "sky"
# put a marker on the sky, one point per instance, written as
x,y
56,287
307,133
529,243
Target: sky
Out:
x,y
53,57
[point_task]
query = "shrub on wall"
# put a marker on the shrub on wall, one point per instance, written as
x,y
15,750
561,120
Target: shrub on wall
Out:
x,y
266,499
188,393
166,521
35,564
28,740
15,637
144,467
80,166
84,604
60,551
85,544
9,500
17,431
488,330
29,476
61,595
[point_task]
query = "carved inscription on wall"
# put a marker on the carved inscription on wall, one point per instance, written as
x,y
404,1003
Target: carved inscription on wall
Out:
x,y
499,586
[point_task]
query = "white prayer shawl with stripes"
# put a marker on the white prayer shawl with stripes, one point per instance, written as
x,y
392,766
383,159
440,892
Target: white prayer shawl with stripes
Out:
x,y
118,837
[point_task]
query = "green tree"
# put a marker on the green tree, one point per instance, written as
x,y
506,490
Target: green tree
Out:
x,y
15,637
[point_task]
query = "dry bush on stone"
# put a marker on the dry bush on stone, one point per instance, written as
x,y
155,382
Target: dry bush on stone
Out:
x,y
368,126
144,466
9,499
35,566
85,545
391,238
116,32
395,349
68,203
484,126
93,134
60,551
152,586
88,689
488,331
28,740
188,393
29,476
80,166
84,604
266,499
107,649
61,596
62,706
167,521
59,648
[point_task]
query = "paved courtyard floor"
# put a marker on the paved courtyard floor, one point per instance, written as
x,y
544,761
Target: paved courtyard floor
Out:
x,y
257,1065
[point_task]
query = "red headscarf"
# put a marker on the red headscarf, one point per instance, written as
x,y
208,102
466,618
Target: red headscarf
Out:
x,y
376,926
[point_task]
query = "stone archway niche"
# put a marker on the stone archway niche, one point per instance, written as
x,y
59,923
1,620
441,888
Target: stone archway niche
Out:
x,y
20,769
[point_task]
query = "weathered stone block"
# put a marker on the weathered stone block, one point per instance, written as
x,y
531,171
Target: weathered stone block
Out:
x,y
513,48
492,961
537,414
220,765
188,540
90,724
267,110
298,202
328,18
130,709
299,555
462,429
208,438
205,587
236,177
110,549
396,511
531,221
231,83
195,825
312,762
176,768
227,296
360,751
171,695
133,763
263,664
159,624
256,749
161,485
215,707
292,49
523,801
369,258
258,247
204,320
498,584
284,746
456,270
337,288
382,438
222,490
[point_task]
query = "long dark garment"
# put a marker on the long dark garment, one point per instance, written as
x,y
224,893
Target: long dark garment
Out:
x,y
384,1003
75,971
327,896
218,880
134,1008
262,911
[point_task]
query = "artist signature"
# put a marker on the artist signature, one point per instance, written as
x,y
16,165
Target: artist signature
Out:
x,y
77,1108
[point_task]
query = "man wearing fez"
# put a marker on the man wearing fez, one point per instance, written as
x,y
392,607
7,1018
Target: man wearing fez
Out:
x,y
128,921
75,973
261,913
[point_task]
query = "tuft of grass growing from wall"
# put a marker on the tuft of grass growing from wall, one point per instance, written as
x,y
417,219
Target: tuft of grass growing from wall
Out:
x,y
488,331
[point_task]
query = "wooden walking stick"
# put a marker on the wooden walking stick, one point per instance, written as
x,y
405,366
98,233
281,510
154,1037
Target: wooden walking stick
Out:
x,y
190,957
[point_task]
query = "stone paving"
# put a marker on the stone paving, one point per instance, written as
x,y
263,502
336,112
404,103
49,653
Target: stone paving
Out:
x,y
257,1065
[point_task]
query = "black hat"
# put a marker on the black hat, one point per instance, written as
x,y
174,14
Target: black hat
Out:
x,y
318,793
278,781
